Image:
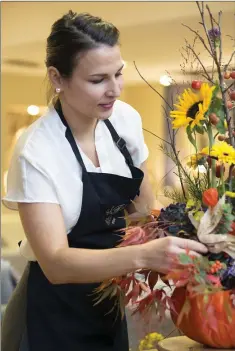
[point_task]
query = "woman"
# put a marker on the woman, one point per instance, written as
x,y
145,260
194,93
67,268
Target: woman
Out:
x,y
73,173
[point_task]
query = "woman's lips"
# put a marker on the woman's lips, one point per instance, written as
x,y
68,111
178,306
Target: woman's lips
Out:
x,y
107,106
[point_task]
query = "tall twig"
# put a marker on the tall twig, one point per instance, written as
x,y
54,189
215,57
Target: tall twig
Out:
x,y
171,107
230,60
148,131
203,67
198,36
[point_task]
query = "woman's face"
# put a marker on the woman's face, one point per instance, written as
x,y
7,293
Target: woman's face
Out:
x,y
95,84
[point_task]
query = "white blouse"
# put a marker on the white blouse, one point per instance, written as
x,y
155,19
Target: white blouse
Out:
x,y
44,169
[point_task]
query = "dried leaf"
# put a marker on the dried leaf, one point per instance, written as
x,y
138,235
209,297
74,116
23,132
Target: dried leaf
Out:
x,y
152,279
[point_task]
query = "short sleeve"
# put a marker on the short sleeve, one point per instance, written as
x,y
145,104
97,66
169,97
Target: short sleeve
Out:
x,y
27,183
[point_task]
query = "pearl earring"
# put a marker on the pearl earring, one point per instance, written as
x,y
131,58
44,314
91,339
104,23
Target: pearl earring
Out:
x,y
57,90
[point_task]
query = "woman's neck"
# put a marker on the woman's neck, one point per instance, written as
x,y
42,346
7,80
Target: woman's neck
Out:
x,y
81,126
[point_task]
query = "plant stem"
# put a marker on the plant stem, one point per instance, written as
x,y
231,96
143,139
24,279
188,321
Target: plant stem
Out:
x,y
222,177
213,162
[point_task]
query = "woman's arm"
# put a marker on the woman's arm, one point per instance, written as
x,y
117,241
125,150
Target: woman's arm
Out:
x,y
45,230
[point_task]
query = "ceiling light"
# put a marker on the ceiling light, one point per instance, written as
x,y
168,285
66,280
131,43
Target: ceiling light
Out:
x,y
165,80
33,110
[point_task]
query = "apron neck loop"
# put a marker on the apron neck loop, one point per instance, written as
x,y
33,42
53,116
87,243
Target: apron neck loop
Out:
x,y
120,142
69,136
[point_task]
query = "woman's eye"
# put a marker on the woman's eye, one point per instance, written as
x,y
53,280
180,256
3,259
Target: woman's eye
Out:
x,y
97,81
101,80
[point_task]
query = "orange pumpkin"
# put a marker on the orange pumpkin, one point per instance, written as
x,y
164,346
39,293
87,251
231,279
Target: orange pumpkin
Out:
x,y
195,324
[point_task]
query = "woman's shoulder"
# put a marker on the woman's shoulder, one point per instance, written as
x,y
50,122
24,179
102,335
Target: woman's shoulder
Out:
x,y
40,136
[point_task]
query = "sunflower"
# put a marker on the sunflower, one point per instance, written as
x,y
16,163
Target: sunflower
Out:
x,y
224,152
191,108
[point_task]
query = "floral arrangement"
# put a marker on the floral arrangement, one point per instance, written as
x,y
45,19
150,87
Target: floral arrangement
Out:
x,y
203,208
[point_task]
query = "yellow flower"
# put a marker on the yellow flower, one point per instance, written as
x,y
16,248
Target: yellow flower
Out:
x,y
153,337
224,152
150,340
191,108
230,194
194,161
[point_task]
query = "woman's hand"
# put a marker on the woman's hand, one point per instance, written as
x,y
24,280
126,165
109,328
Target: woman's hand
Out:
x,y
160,254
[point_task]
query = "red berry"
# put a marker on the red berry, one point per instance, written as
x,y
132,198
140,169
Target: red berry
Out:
x,y
232,95
229,105
221,137
232,74
227,75
214,119
196,84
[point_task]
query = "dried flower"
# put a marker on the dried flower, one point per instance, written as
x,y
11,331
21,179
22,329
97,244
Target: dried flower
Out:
x,y
214,35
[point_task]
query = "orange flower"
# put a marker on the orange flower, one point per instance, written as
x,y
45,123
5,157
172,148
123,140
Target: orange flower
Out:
x,y
210,197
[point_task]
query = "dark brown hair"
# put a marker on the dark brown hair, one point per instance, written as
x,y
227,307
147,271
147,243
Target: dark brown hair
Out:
x,y
73,34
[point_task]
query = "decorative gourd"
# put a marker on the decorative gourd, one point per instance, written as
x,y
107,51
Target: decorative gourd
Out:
x,y
217,332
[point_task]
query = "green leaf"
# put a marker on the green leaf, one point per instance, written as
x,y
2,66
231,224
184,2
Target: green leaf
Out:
x,y
220,125
216,103
185,259
217,108
216,90
190,136
199,129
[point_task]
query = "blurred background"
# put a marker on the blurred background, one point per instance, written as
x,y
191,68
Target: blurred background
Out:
x,y
152,35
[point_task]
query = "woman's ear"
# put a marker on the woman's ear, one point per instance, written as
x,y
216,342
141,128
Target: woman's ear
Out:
x,y
55,78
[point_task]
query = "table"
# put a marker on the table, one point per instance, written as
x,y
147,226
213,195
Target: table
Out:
x,y
182,343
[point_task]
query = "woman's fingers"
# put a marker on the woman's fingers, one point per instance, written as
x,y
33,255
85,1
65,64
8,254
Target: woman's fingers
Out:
x,y
192,245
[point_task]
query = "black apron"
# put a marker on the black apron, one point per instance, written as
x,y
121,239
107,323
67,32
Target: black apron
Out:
x,y
63,317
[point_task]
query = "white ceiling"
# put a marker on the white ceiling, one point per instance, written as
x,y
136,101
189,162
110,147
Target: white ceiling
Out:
x,y
151,32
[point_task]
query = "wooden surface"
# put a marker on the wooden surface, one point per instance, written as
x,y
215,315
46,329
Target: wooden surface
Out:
x,y
182,343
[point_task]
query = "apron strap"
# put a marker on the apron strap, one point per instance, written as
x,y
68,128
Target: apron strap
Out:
x,y
69,135
120,142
